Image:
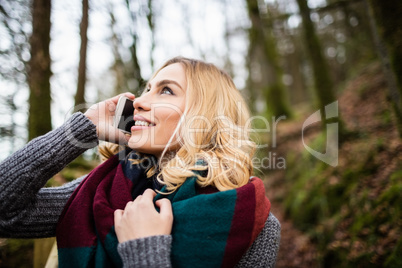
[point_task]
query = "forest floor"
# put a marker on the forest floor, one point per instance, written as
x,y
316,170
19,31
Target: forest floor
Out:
x,y
364,108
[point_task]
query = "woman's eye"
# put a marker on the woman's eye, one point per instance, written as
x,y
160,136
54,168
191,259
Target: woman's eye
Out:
x,y
145,91
167,90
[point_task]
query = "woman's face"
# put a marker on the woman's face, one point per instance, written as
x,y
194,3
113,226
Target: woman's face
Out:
x,y
158,111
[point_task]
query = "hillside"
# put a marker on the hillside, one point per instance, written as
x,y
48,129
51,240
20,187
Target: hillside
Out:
x,y
348,215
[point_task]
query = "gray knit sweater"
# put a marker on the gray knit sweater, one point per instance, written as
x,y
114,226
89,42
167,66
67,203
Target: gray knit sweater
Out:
x,y
29,211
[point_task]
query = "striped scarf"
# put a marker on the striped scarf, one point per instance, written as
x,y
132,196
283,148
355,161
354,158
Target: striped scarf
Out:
x,y
210,229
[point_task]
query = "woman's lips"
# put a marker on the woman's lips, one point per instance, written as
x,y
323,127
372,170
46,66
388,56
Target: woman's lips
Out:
x,y
139,126
141,118
134,128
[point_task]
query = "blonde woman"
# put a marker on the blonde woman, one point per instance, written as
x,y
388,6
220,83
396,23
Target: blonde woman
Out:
x,y
181,193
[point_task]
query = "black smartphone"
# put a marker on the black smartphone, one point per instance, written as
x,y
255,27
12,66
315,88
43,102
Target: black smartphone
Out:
x,y
123,119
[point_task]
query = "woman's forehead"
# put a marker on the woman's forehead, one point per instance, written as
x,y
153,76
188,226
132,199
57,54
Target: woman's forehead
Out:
x,y
174,72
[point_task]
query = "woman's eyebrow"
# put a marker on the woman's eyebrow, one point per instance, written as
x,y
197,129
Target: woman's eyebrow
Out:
x,y
166,82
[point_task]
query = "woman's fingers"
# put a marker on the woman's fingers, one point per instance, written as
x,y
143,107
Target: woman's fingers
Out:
x,y
141,219
102,115
165,208
112,134
149,194
114,100
130,203
118,214
145,200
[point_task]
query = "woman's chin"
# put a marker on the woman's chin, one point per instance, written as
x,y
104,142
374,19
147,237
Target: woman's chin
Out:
x,y
136,142
141,149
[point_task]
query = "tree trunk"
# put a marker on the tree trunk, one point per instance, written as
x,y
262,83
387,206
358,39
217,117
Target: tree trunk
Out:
x,y
251,91
82,66
136,66
389,20
151,25
322,79
386,15
294,63
323,84
228,64
39,73
274,92
136,69
118,65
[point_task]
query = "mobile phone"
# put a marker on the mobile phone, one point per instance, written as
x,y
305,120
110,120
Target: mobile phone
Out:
x,y
123,118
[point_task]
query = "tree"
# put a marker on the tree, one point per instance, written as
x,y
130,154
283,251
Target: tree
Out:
x,y
324,88
228,66
346,36
118,66
274,92
387,31
151,25
323,83
82,66
14,56
14,51
127,73
135,66
39,72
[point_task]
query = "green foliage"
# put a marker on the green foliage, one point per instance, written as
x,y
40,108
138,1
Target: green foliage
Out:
x,y
352,222
21,251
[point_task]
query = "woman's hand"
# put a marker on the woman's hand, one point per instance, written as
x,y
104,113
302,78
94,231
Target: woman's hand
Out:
x,y
140,218
102,115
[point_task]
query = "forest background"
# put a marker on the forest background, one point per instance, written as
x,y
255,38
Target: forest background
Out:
x,y
336,190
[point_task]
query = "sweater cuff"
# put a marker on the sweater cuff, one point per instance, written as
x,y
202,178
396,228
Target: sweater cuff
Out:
x,y
152,251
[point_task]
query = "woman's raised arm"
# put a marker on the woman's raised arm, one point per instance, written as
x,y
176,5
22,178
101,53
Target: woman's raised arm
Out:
x,y
22,175
26,171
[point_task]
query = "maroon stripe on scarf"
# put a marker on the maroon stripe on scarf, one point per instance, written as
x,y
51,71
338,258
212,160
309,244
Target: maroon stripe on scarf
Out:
x,y
263,207
242,226
77,216
114,195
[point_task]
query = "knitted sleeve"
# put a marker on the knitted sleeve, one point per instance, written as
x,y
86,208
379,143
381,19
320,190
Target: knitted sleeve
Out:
x,y
264,250
26,210
152,251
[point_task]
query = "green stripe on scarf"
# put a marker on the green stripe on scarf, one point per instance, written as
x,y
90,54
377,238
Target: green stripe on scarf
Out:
x,y
76,257
199,232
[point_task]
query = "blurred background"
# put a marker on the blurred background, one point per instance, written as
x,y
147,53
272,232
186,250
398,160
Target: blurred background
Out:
x,y
289,58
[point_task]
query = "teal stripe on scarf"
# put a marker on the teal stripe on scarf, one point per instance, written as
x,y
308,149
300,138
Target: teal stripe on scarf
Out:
x,y
109,256
76,257
199,232
111,243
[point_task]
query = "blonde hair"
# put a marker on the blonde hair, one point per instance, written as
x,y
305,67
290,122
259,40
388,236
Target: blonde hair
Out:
x,y
213,132
108,149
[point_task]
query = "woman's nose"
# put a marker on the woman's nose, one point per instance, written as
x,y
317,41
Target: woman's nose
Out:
x,y
142,103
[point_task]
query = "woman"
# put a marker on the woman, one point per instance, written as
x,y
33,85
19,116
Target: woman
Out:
x,y
190,144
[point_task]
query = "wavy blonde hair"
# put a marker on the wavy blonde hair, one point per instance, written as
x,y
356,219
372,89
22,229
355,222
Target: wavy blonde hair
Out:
x,y
213,132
